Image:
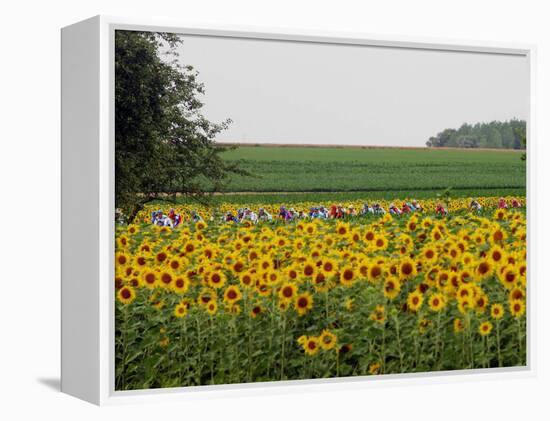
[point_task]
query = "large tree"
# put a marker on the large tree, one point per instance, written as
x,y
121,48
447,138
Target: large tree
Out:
x,y
164,145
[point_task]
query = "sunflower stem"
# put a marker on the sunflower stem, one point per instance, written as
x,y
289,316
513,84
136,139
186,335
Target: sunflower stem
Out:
x,y
499,356
437,342
518,324
464,359
249,350
183,334
210,341
124,345
399,348
199,352
283,348
326,307
337,362
469,321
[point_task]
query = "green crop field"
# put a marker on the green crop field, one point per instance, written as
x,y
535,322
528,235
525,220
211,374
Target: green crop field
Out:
x,y
377,171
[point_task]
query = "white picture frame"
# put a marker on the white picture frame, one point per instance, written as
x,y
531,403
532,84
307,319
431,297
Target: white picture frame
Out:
x,y
87,323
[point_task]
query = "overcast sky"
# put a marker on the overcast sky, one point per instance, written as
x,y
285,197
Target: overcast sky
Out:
x,y
284,92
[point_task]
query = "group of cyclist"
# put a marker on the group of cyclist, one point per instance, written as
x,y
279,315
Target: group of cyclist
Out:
x,y
318,212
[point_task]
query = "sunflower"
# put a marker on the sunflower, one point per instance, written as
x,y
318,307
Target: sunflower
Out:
x,y
247,279
374,368
238,266
392,288
287,292
217,279
150,278
436,302
311,345
509,277
329,266
516,294
303,303
355,235
454,253
256,310
424,324
378,315
496,255
272,277
234,309
292,273
429,254
342,228
485,328
415,300
369,235
380,242
363,269
467,259
347,275
484,269
329,240
161,256
262,288
517,308
140,261
206,295
283,306
458,325
145,247
481,302
126,294
122,259
412,224
376,270
465,291
232,294
327,340
442,279
497,311
465,304
180,310
497,235
166,277
212,307
500,214
308,270
174,264
436,234
407,268
310,229
200,225
180,285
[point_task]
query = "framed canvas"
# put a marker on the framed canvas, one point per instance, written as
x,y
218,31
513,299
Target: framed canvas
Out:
x,y
246,210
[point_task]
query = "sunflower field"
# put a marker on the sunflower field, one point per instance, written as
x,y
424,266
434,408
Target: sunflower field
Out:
x,y
216,303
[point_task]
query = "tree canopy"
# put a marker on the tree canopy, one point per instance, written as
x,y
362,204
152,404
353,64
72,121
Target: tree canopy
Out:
x,y
163,144
496,134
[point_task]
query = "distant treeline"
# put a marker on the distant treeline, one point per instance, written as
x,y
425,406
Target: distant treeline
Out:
x,y
496,134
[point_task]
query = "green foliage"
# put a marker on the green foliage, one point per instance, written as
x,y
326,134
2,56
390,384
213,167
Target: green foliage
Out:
x,y
521,136
163,142
326,197
495,135
384,171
